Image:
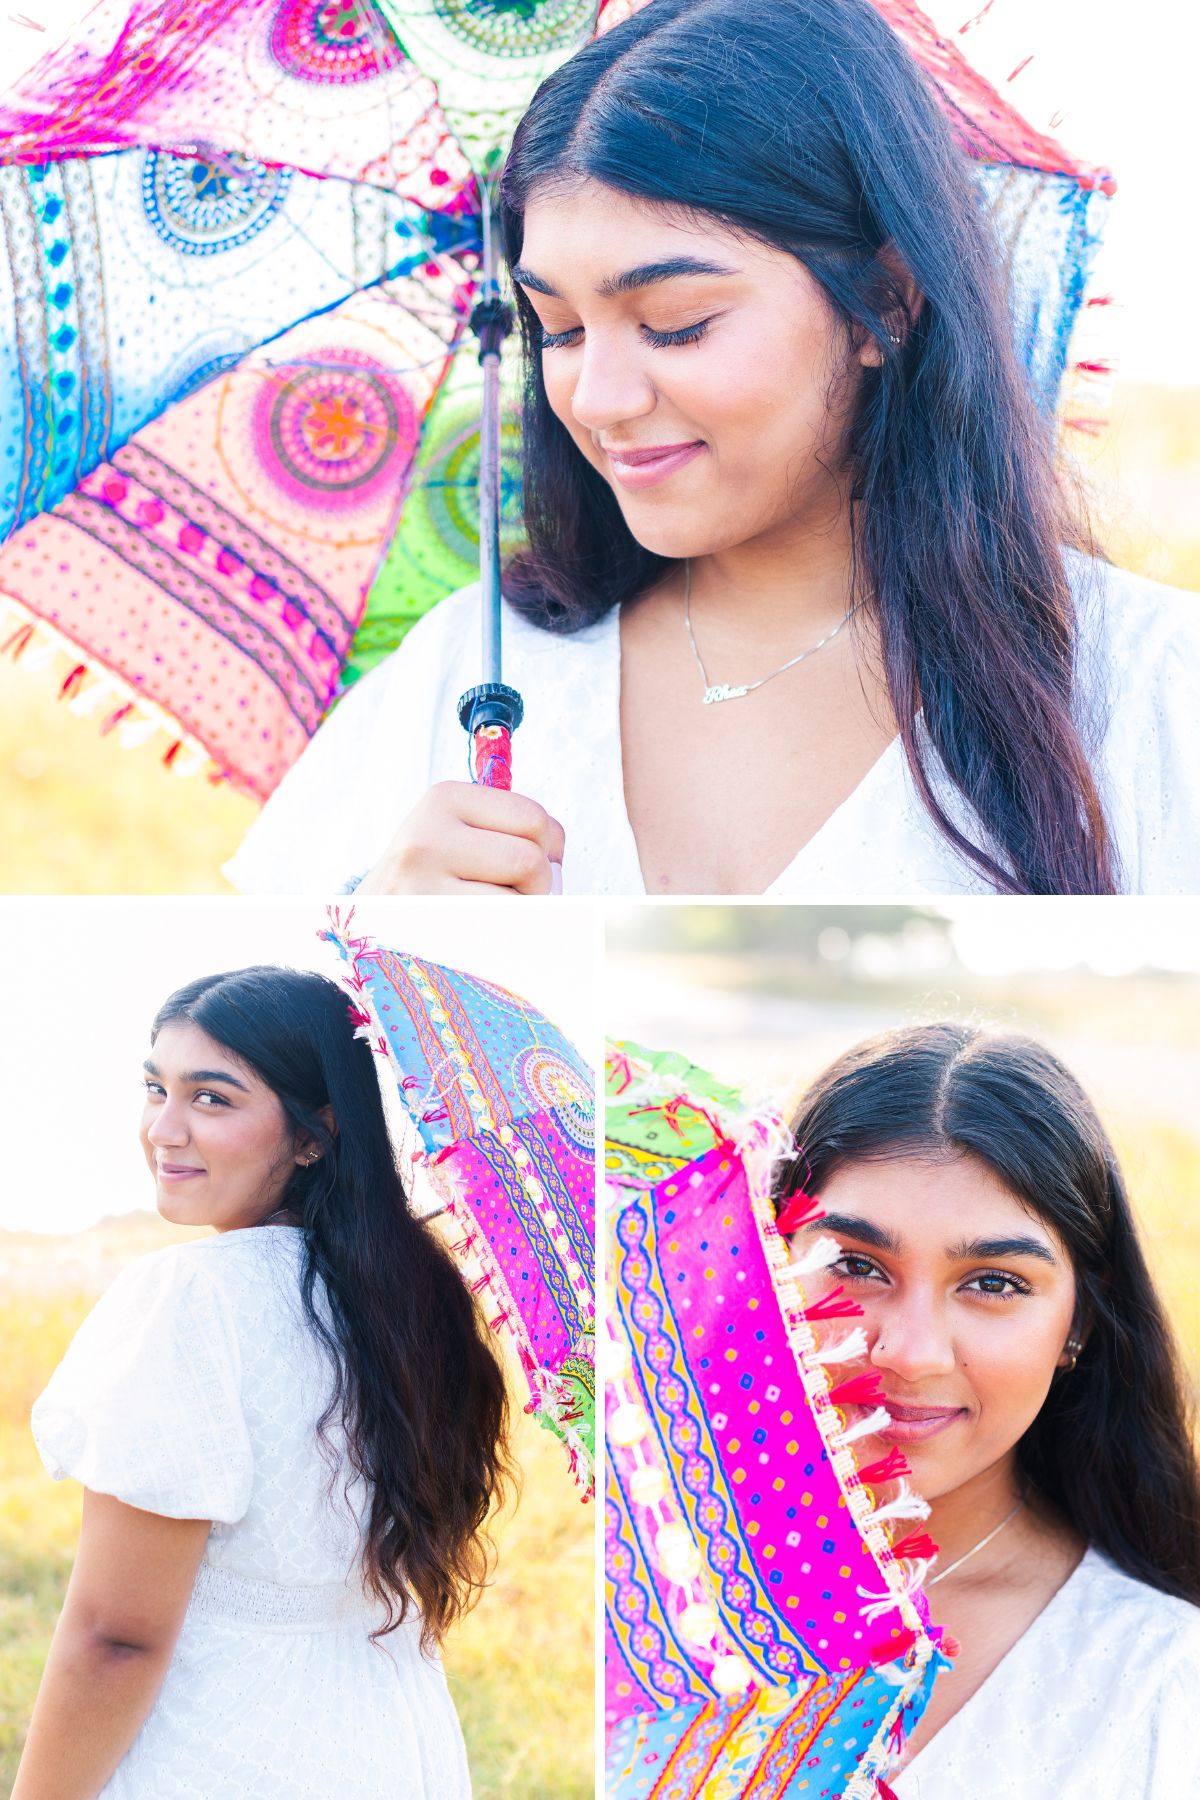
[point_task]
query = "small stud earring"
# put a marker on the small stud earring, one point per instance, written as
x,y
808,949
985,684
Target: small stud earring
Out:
x,y
1074,1346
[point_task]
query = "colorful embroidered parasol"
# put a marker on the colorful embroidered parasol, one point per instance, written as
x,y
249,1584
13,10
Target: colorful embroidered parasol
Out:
x,y
506,1117
765,1635
244,445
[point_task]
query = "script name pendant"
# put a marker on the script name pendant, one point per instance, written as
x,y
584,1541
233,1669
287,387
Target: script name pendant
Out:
x,y
714,695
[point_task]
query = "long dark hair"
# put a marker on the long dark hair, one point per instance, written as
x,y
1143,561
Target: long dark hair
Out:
x,y
1112,1449
807,125
419,1386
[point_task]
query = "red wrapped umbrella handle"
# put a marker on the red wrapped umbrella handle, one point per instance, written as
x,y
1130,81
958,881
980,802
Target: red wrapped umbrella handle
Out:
x,y
490,714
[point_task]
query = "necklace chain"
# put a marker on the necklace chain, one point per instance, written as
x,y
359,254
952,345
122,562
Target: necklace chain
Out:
x,y
715,692
981,1545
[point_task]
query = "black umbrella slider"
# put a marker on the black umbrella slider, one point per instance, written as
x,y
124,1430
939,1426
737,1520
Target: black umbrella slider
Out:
x,y
491,703
491,321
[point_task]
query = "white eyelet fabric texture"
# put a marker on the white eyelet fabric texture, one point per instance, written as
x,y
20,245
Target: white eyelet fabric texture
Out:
x,y
1098,1697
193,1389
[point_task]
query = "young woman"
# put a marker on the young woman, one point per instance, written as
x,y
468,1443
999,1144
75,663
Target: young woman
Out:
x,y
289,1435
804,609
1033,1387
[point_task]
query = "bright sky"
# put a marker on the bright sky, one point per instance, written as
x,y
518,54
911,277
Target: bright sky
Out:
x,y
82,979
1120,79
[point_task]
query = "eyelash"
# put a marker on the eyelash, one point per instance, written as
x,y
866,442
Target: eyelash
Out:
x,y
658,340
1017,1287
154,1087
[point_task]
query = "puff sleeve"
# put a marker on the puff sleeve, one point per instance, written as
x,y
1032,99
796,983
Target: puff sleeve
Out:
x,y
146,1403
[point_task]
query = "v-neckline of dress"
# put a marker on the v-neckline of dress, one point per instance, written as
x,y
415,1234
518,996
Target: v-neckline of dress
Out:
x,y
960,1721
883,769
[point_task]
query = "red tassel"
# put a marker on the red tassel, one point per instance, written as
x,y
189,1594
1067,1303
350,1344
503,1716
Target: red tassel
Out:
x,y
170,755
834,1305
950,1647
885,1792
918,1545
894,1467
860,1390
799,1209
74,682
19,641
891,1649
114,718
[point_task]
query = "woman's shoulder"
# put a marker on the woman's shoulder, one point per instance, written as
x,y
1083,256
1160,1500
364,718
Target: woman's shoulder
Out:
x,y
1123,615
447,637
1153,1637
1138,706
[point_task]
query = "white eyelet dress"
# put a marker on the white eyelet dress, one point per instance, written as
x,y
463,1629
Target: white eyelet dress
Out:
x,y
193,1390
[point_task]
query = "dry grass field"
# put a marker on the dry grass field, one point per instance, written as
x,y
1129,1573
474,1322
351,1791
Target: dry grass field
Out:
x,y
521,1666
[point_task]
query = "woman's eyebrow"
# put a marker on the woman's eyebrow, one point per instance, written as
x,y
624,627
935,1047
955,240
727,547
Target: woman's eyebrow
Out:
x,y
1004,1246
203,1075
866,1233
644,275
862,1229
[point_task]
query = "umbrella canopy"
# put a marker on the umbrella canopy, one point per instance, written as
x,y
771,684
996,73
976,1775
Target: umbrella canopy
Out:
x,y
505,1113
764,1615
198,196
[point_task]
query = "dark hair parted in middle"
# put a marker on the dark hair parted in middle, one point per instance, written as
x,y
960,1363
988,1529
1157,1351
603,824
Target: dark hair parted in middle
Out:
x,y
419,1386
1112,1447
806,125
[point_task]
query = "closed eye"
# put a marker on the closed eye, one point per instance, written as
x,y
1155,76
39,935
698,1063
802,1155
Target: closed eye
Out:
x,y
156,1091
658,340
986,1284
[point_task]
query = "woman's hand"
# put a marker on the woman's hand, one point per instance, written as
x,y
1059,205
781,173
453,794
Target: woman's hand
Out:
x,y
478,839
133,1577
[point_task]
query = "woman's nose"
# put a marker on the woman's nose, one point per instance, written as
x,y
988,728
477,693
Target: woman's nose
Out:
x,y
910,1336
167,1125
610,389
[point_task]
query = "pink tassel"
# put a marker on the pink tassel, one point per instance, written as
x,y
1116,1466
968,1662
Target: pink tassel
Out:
x,y
170,754
918,1546
1019,67
834,1305
860,1390
884,1791
891,1649
73,682
894,1467
897,1734
477,1287
798,1209
964,28
950,1647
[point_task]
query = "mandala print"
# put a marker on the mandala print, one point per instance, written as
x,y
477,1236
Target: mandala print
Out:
x,y
450,489
335,432
205,204
553,1084
333,42
516,27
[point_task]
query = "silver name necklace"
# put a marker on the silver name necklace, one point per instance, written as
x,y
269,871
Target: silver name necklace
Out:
x,y
975,1548
715,692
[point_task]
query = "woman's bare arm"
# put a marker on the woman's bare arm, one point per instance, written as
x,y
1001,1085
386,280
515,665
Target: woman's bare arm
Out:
x,y
133,1576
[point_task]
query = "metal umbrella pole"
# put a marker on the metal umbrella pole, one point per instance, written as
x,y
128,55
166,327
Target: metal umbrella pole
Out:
x,y
490,712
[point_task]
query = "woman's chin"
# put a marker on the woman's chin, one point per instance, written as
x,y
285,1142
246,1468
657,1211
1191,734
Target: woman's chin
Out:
x,y
176,1210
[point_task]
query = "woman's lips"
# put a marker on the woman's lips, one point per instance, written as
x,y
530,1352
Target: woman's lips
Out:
x,y
913,1424
177,1172
645,468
